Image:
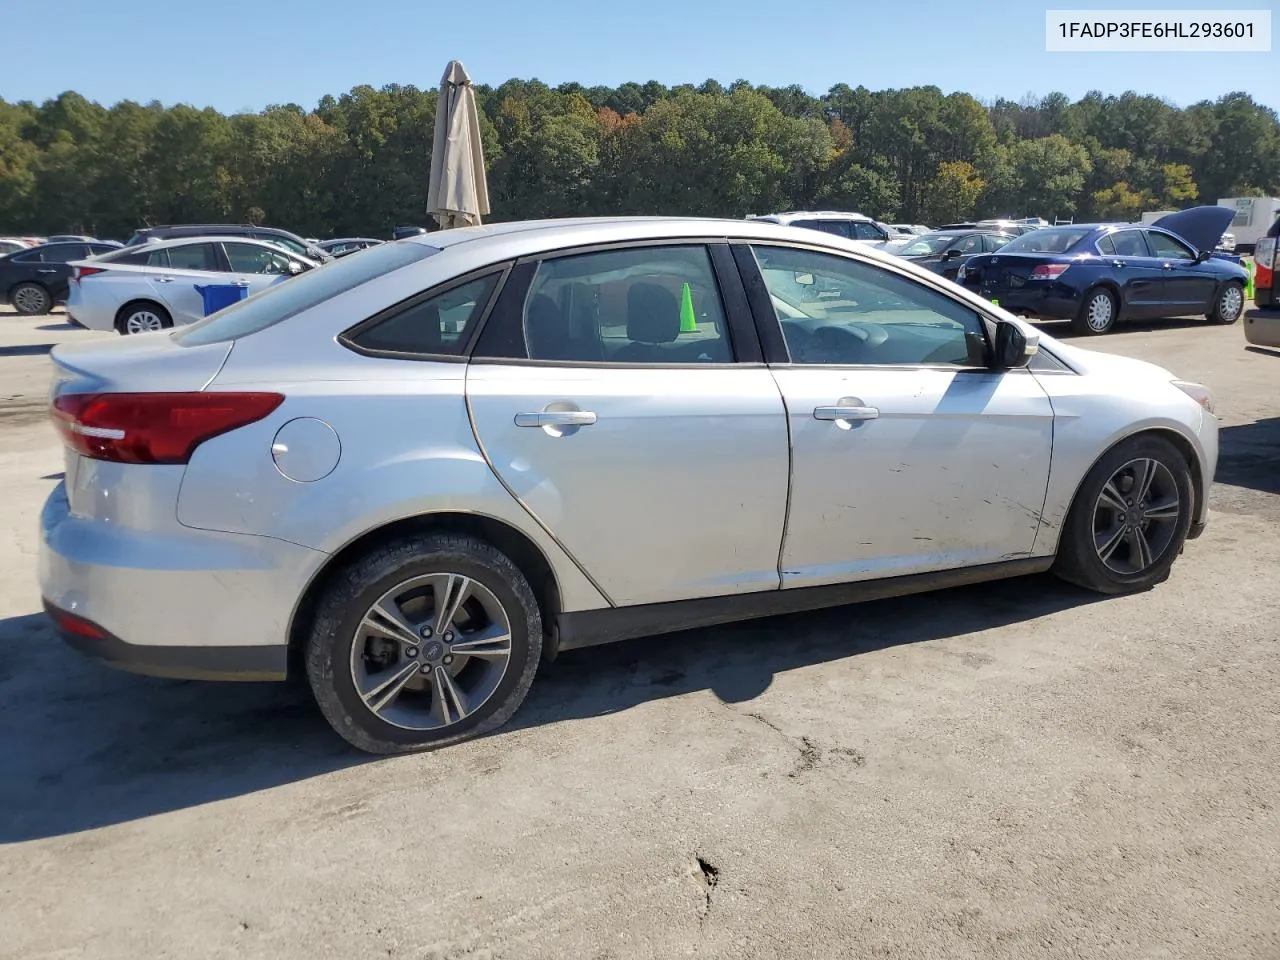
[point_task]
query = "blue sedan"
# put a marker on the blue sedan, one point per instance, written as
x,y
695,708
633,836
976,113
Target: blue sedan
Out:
x,y
1096,274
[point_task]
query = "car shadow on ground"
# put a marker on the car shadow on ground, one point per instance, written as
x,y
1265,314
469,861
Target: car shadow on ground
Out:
x,y
1249,455
83,746
26,349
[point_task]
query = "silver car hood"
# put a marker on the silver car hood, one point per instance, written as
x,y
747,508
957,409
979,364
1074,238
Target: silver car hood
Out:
x,y
1104,364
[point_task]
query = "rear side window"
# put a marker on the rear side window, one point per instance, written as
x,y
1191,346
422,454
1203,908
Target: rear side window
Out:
x,y
837,227
158,258
284,300
195,256
440,324
63,253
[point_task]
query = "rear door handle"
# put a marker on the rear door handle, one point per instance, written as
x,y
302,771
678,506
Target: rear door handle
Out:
x,y
242,283
164,279
1117,263
48,270
845,413
556,418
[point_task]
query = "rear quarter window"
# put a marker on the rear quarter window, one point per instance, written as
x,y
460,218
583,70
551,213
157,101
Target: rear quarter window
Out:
x,y
284,300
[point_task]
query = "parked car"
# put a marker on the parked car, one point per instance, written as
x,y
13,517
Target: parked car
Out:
x,y
946,251
400,233
12,245
853,226
426,468
76,238
1096,274
345,245
1227,244
909,230
34,279
157,285
282,238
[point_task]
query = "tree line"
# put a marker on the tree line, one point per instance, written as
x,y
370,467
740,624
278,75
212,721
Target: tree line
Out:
x,y
358,164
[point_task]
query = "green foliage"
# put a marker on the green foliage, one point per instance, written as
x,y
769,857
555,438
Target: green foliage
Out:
x,y
358,163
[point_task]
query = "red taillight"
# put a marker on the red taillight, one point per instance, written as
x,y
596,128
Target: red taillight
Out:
x,y
79,273
76,626
153,427
1049,271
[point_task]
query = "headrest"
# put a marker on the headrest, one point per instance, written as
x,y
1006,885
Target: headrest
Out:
x,y
653,314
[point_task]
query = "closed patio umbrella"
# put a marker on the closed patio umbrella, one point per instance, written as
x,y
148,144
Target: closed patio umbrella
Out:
x,y
457,194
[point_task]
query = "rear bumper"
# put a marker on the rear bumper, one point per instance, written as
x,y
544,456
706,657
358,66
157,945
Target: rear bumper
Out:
x,y
1262,327
1053,300
173,603
187,663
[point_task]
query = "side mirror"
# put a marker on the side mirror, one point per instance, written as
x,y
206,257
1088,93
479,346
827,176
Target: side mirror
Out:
x,y
1203,255
295,268
804,279
1013,348
951,254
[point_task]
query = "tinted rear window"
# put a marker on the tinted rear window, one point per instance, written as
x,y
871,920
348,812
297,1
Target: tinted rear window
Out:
x,y
284,300
1047,240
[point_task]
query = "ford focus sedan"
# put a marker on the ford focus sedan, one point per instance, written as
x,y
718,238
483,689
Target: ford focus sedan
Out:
x,y
418,472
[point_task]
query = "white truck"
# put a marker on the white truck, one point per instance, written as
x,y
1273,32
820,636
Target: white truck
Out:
x,y
1254,217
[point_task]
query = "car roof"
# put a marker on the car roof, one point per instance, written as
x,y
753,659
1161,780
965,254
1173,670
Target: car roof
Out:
x,y
201,238
813,215
530,237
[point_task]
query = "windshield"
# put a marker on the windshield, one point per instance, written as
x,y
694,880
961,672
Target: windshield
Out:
x,y
291,296
1047,240
933,243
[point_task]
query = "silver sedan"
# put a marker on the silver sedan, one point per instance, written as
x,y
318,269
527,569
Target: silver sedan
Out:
x,y
417,472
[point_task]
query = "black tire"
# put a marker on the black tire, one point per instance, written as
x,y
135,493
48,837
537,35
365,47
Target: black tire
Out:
x,y
138,307
1079,559
31,299
354,591
1081,324
1229,306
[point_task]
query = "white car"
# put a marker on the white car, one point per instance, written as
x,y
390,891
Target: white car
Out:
x,y
159,285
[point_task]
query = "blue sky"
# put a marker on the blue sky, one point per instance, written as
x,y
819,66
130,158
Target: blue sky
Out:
x,y
245,54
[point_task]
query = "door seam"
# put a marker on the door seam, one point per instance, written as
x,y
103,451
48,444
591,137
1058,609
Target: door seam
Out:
x,y
791,455
475,433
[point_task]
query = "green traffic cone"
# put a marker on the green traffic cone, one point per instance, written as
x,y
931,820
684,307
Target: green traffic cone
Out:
x,y
688,322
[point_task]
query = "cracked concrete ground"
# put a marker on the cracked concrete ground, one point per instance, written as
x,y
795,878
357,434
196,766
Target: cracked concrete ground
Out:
x,y
1008,771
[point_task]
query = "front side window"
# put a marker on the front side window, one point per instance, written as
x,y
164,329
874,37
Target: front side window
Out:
x,y
194,256
440,324
867,231
993,243
837,310
837,227
969,245
251,258
1166,246
639,306
285,242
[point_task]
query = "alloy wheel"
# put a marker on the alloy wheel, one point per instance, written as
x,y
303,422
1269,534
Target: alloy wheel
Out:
x,y
143,321
431,651
1100,312
1136,516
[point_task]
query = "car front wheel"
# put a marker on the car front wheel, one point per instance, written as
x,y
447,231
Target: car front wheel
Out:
x,y
1229,305
1130,518
424,642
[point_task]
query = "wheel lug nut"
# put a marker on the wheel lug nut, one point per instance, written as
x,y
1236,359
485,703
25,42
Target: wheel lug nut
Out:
x,y
448,659
411,652
426,632
448,636
426,668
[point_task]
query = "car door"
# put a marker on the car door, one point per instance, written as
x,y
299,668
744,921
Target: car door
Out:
x,y
176,272
618,394
909,455
257,267
52,266
1139,276
957,254
1189,285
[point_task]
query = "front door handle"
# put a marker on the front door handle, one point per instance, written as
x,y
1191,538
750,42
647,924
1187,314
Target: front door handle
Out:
x,y
1117,263
845,412
164,279
556,418
242,283
1167,266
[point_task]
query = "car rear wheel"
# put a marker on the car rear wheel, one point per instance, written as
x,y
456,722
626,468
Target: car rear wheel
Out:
x,y
1229,305
143,317
424,642
1129,520
1097,314
31,299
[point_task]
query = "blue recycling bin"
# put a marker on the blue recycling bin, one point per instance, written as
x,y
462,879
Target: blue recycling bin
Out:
x,y
219,295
